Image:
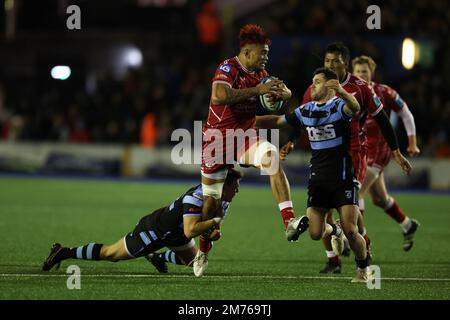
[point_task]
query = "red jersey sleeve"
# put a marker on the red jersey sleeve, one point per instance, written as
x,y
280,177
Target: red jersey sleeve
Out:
x,y
371,100
307,96
226,73
392,99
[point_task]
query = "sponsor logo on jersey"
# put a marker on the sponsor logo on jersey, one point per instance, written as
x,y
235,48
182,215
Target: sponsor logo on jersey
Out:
x,y
348,194
321,133
225,68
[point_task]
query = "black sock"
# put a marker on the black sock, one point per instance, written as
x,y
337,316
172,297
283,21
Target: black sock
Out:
x,y
169,256
362,264
90,251
334,229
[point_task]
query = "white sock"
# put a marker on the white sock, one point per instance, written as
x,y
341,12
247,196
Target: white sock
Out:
x,y
330,254
405,224
328,230
285,204
361,204
339,230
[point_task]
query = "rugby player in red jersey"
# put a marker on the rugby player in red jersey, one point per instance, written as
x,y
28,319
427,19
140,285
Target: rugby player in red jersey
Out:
x,y
337,58
379,153
229,134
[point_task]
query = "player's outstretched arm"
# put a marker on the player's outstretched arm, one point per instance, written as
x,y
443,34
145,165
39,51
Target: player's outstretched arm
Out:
x,y
284,93
286,149
402,161
413,149
270,122
351,106
408,121
389,135
193,225
224,94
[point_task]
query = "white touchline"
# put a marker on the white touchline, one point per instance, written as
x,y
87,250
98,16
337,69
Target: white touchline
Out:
x,y
24,275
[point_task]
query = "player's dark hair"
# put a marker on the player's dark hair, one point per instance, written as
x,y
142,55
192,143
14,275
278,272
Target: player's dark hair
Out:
x,y
233,174
339,47
252,33
328,74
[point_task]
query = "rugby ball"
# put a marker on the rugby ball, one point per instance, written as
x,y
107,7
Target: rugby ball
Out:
x,y
271,107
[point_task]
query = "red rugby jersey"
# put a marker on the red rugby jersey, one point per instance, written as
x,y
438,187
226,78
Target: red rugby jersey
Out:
x,y
391,101
240,115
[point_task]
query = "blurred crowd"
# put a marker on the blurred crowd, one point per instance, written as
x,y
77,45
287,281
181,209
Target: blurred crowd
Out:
x,y
172,89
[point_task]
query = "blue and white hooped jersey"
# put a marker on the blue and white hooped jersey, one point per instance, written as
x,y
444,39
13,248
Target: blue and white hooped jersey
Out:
x,y
328,128
194,197
169,220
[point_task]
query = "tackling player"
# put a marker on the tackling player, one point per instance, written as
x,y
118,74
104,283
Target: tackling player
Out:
x,y
236,87
173,226
337,58
379,154
332,183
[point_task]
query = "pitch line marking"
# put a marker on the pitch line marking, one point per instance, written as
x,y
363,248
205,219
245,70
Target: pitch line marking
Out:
x,y
24,275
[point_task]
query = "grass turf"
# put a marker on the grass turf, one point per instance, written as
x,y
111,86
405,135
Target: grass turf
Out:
x,y
252,260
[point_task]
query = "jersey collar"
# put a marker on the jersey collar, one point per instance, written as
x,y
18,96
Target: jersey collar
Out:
x,y
242,66
325,103
346,79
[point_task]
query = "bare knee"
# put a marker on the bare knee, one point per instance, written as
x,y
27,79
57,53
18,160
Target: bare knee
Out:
x,y
315,235
380,202
350,231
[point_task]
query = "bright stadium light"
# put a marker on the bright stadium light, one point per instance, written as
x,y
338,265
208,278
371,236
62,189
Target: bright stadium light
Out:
x,y
125,56
60,72
409,53
132,57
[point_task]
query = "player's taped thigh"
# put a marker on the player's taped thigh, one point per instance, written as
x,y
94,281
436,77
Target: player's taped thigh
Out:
x,y
213,190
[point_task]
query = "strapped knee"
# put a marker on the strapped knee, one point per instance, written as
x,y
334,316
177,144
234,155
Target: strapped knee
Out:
x,y
213,190
262,151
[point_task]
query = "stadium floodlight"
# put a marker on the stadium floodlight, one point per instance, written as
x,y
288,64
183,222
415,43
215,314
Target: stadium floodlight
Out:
x,y
409,53
60,72
132,57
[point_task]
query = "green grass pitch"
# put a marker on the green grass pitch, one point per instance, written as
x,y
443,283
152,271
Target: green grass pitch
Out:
x,y
252,260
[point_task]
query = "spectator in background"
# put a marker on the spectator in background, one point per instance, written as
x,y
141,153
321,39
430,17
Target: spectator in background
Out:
x,y
149,131
209,29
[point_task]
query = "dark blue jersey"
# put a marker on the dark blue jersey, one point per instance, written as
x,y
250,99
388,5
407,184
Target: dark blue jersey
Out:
x,y
167,222
328,129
